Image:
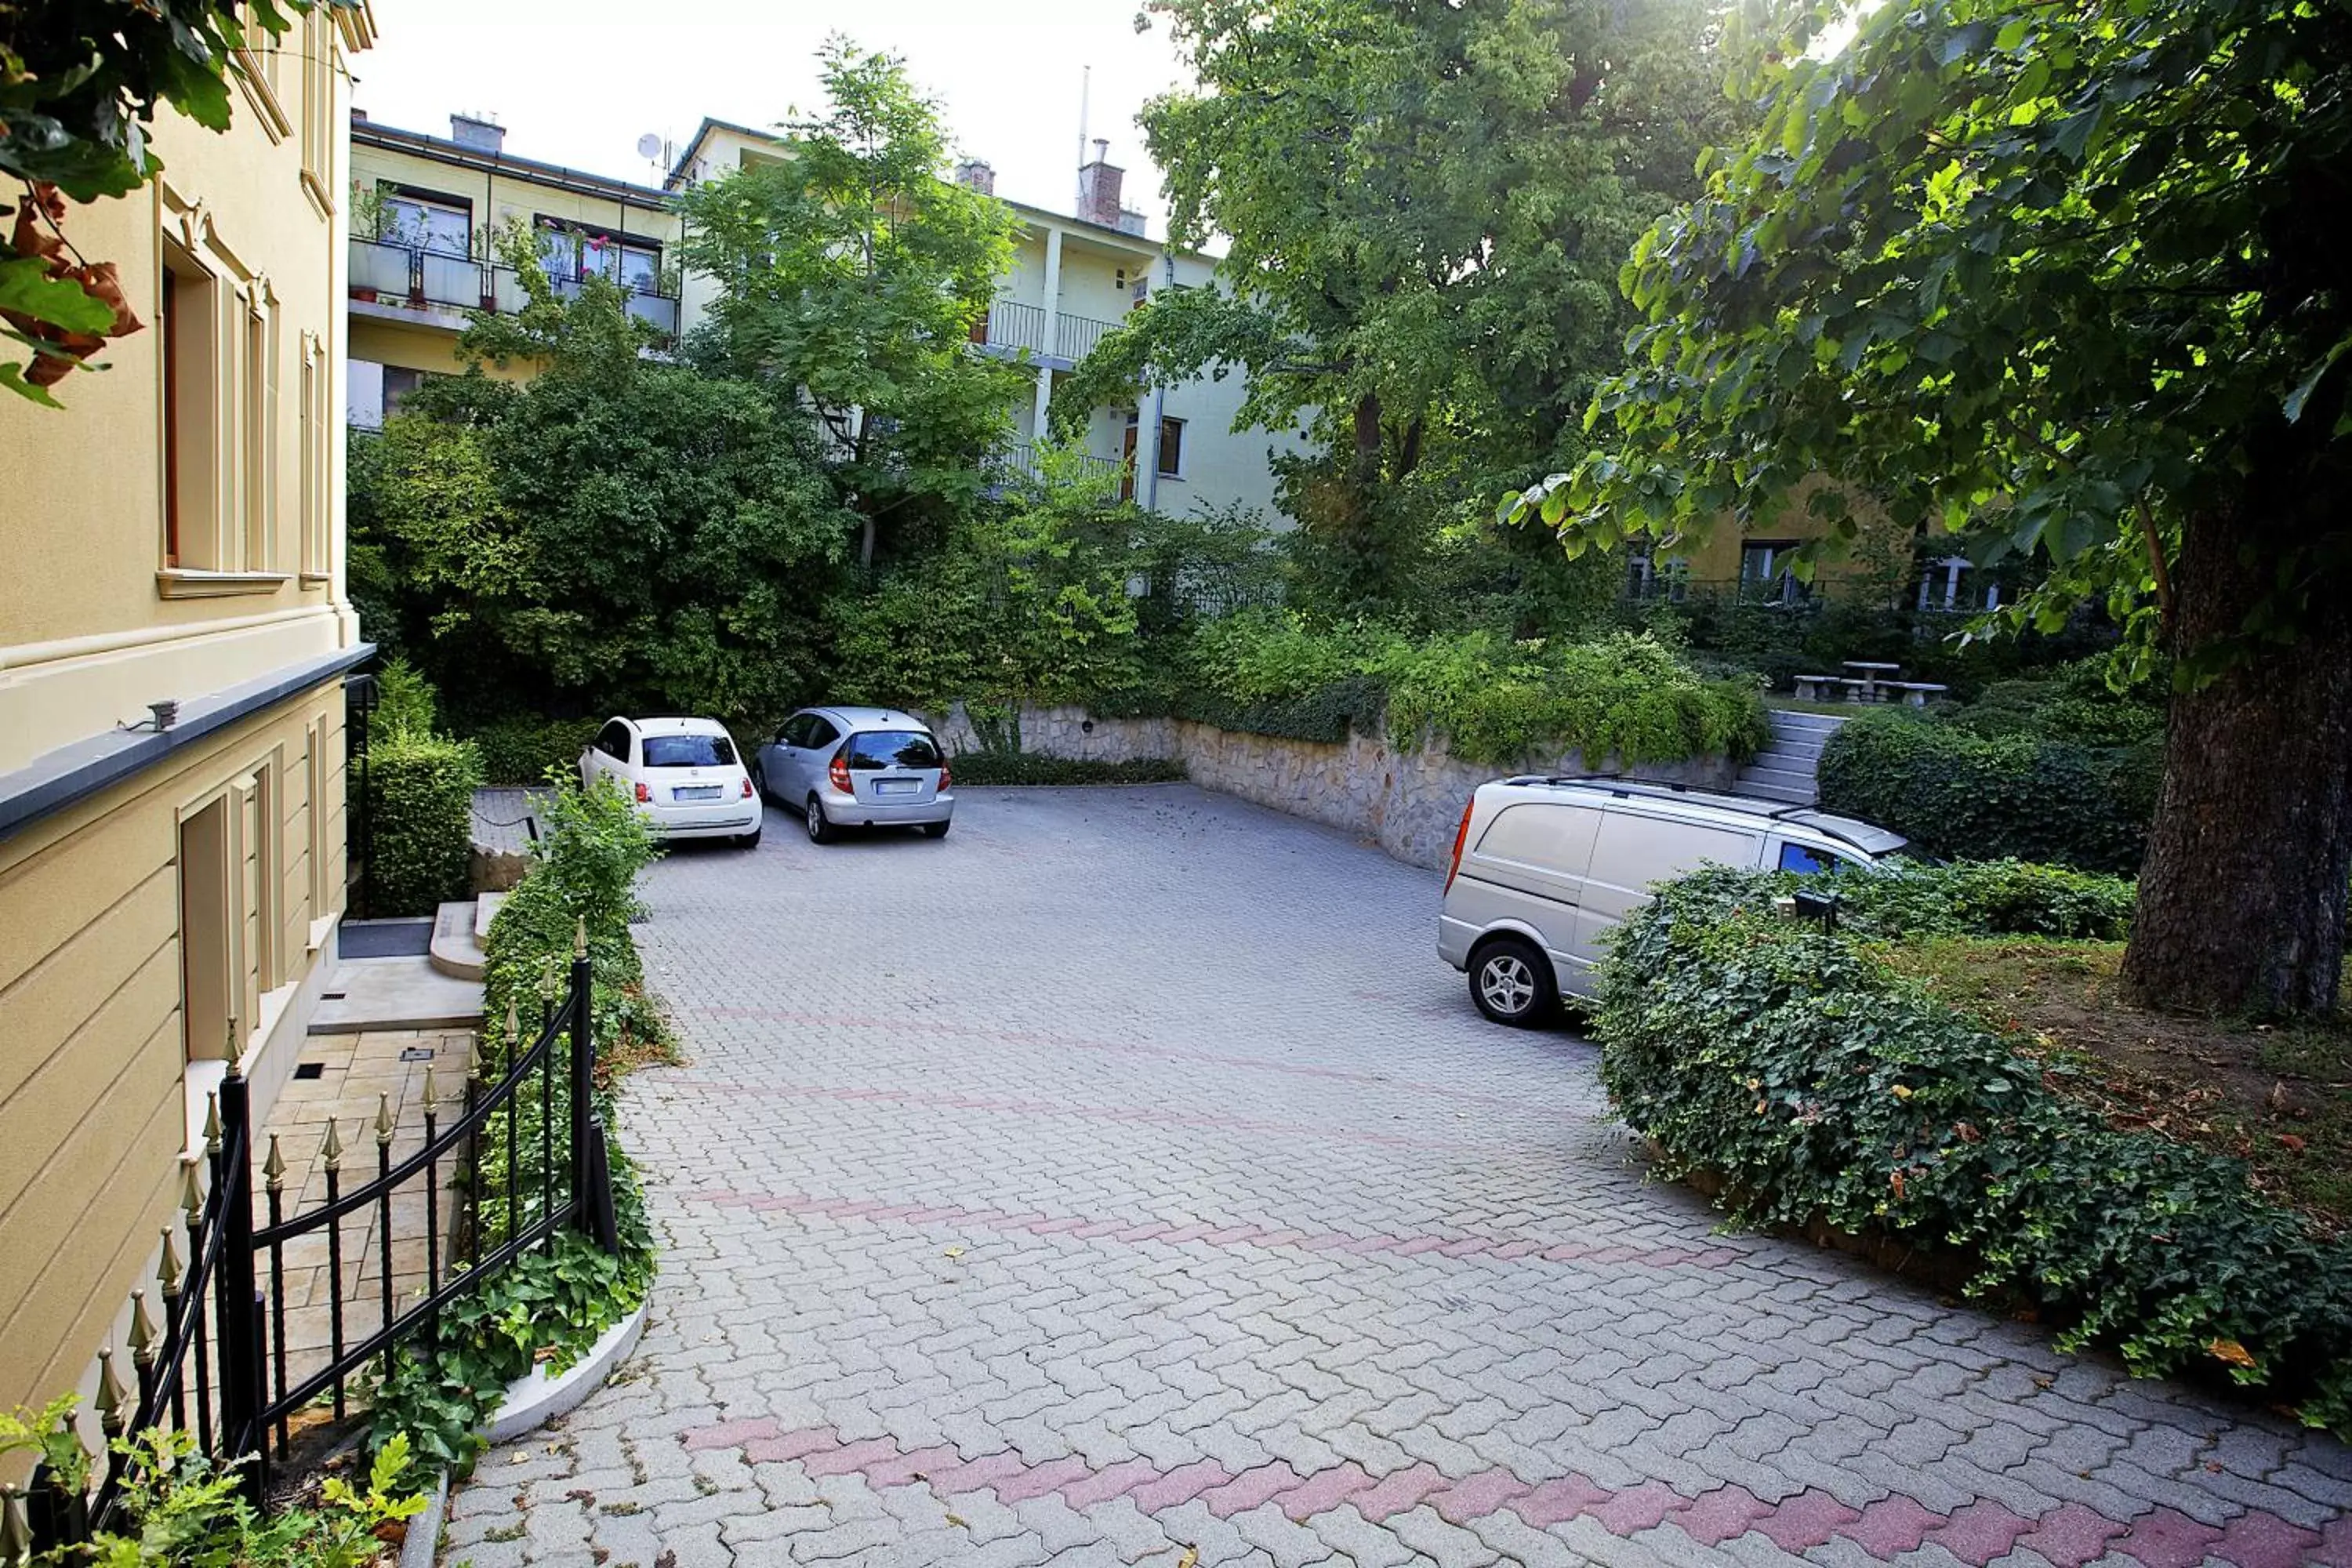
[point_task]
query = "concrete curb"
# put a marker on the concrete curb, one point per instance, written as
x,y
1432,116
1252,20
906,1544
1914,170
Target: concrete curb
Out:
x,y
420,1548
534,1399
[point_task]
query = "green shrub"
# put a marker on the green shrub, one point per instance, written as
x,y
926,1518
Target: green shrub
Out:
x,y
1324,714
551,1303
405,703
1970,797
2004,898
1818,1085
421,787
521,751
1032,768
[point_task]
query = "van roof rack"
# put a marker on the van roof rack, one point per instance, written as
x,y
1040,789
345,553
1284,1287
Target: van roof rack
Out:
x,y
1804,816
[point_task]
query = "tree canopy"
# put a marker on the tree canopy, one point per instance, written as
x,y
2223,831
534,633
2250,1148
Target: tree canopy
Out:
x,y
850,271
1424,206
2059,280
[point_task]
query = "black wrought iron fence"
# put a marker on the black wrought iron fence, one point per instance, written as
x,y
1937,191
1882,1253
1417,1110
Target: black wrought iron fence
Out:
x,y
228,1365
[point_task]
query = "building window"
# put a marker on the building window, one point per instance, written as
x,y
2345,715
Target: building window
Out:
x,y
1764,571
571,253
192,410
320,58
258,441
1172,448
422,220
1647,577
377,392
317,546
1952,583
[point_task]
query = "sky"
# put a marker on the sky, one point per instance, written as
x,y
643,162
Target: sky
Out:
x,y
578,82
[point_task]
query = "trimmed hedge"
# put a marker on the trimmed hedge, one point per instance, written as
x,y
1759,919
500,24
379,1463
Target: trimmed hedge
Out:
x,y
1035,768
1962,795
1819,1085
1324,714
422,787
2010,898
518,752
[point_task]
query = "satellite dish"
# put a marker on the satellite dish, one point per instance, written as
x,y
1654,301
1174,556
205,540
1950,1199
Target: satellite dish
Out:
x,y
649,146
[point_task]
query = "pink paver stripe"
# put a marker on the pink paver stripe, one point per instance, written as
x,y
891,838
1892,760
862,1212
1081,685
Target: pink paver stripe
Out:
x,y
851,1456
1398,1492
1051,1476
1469,1251
791,1445
1323,1490
1179,1486
1806,1521
1978,1532
727,1434
1478,1496
1250,1488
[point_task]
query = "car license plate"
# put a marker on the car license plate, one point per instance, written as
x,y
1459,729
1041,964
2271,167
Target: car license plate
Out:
x,y
702,791
897,787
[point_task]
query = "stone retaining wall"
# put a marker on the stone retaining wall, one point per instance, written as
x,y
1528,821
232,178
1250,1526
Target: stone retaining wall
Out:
x,y
1409,802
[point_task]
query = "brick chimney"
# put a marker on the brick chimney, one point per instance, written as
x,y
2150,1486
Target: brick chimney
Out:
x,y
1098,188
976,174
478,132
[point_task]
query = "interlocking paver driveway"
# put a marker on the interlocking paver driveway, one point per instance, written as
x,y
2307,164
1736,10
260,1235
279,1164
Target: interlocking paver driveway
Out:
x,y
1126,1174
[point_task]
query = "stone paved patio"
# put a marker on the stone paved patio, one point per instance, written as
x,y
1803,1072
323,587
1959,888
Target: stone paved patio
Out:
x,y
1125,1176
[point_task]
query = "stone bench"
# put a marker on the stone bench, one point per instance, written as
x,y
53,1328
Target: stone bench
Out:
x,y
1918,693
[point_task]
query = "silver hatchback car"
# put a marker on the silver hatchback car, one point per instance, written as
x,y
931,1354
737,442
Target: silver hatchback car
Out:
x,y
856,767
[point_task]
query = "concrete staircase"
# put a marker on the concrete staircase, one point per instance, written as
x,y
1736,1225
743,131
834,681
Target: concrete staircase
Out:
x,y
1784,769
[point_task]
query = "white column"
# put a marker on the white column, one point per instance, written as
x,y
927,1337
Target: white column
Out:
x,y
1053,329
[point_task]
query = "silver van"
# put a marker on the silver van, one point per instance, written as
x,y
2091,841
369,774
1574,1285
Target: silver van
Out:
x,y
1545,868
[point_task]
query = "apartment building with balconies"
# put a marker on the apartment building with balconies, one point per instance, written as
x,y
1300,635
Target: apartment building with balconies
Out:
x,y
425,251
1073,278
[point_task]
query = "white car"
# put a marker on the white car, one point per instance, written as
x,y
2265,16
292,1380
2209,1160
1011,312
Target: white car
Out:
x,y
683,773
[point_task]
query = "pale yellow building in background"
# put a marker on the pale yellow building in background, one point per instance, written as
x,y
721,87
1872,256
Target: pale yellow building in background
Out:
x,y
425,248
172,878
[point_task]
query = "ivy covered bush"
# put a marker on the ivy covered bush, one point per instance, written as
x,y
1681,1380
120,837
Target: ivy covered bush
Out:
x,y
1818,1085
2005,898
1963,795
1037,768
520,750
423,786
550,1305
1498,701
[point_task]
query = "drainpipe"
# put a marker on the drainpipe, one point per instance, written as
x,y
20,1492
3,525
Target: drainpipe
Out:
x,y
1159,411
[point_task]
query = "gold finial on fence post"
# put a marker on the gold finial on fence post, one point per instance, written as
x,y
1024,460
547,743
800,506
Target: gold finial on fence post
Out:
x,y
113,1399
275,1166
211,1123
143,1332
432,1096
167,1272
191,1197
580,938
383,1122
514,1028
330,1152
547,978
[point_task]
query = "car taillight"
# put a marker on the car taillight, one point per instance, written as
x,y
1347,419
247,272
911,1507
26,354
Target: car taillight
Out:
x,y
1461,836
747,789
946,778
644,796
837,774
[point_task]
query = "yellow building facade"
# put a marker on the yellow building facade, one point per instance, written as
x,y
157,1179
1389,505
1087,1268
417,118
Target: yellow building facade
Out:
x,y
174,638
426,249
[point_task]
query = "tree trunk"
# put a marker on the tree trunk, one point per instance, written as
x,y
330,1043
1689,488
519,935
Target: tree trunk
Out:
x,y
2242,897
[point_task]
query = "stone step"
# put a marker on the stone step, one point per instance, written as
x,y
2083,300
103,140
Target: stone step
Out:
x,y
1791,794
1787,720
1791,752
486,909
456,949
1784,778
366,994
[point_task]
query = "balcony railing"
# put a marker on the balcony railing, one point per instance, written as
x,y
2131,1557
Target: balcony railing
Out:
x,y
1021,457
400,274
1012,326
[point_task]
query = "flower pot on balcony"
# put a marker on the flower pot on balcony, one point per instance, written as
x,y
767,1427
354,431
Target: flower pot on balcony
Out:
x,y
365,296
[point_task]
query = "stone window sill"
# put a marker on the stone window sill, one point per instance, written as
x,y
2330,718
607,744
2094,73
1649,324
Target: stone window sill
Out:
x,y
183,583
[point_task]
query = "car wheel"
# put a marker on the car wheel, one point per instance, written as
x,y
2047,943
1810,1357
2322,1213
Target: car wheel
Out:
x,y
1511,981
750,840
820,827
759,784
936,829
